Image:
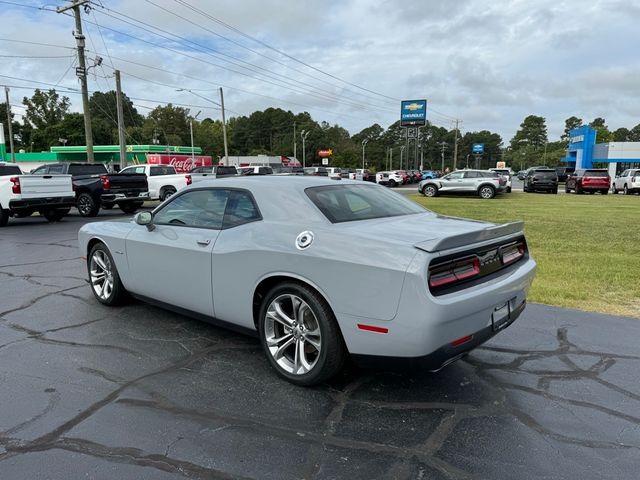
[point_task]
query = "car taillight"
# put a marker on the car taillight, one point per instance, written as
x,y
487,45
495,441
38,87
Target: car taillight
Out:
x,y
106,183
15,188
189,179
512,253
454,271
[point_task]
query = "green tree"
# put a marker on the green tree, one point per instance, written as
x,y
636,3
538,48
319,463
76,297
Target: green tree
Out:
x,y
532,133
17,128
570,123
603,135
167,124
621,135
634,134
45,108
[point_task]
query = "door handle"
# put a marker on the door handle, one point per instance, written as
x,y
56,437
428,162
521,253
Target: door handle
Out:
x,y
203,242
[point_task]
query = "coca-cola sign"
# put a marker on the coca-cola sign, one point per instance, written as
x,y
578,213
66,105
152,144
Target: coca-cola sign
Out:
x,y
182,163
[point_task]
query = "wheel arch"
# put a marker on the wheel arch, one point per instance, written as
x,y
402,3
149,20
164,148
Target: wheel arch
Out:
x,y
268,282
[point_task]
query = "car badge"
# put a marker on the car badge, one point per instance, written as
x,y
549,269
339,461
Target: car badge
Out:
x,y
488,257
304,240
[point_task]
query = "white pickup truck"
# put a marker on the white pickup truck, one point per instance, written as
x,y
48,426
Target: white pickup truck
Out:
x,y
21,195
163,180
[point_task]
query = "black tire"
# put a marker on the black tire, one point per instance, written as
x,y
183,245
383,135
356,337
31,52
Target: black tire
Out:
x,y
333,353
614,190
118,294
52,215
487,192
578,190
566,188
107,206
166,192
555,190
508,189
625,189
392,183
604,191
87,206
430,190
4,217
130,207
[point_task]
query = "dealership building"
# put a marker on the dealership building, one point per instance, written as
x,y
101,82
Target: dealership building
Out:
x,y
583,152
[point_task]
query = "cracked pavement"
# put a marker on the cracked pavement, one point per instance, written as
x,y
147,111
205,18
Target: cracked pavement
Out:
x,y
137,392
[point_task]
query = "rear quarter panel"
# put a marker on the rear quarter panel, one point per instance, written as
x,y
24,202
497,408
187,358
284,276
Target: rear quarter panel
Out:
x,y
358,277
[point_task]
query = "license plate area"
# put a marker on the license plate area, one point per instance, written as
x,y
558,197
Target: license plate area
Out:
x,y
501,315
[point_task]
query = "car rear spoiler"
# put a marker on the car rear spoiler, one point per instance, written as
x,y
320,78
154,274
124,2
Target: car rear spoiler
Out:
x,y
469,238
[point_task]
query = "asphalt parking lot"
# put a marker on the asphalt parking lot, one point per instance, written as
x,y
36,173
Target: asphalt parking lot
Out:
x,y
137,392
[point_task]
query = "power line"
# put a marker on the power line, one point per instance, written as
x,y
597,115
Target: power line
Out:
x,y
191,22
281,83
234,29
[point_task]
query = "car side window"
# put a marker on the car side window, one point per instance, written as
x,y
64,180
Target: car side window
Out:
x,y
197,208
40,170
56,169
455,176
241,208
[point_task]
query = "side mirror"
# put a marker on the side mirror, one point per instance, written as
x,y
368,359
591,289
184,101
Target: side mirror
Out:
x,y
146,219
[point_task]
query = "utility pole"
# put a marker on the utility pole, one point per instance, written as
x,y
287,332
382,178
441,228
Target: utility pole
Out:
x,y
295,145
443,145
364,144
304,134
401,152
81,71
13,153
455,147
224,129
121,138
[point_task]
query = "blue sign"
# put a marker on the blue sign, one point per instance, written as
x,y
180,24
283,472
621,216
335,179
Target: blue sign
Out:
x,y
477,148
413,113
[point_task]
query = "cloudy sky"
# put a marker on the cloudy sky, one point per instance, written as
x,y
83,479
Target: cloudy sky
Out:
x,y
488,64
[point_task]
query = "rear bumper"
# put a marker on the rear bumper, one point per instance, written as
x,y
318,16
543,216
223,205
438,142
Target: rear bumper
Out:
x,y
45,202
124,197
543,186
440,358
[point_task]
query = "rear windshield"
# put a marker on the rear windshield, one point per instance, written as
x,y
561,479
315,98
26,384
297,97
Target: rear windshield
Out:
x,y
348,203
10,170
89,169
596,173
202,170
157,171
226,170
544,170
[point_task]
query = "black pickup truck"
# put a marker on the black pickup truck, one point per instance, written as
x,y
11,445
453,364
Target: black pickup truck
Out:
x,y
96,187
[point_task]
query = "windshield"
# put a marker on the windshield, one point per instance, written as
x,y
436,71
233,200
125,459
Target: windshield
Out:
x,y
596,173
348,203
10,170
89,169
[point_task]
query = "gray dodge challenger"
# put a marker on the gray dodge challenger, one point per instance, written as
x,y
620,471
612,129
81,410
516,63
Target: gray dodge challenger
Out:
x,y
319,270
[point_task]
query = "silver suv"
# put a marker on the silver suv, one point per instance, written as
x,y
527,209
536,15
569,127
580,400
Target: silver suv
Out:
x,y
484,183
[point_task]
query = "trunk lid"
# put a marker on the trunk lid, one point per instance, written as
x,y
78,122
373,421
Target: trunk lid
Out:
x,y
431,232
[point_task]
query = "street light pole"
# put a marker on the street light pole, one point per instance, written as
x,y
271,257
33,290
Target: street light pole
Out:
x,y
304,134
193,148
224,129
401,153
364,144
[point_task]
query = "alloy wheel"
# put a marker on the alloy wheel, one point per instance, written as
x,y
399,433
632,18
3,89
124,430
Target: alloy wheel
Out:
x,y
292,334
101,273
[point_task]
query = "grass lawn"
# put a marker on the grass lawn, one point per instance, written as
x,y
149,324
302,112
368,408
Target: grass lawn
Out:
x,y
587,246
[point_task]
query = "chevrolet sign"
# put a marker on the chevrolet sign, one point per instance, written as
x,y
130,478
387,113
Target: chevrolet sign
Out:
x,y
413,113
